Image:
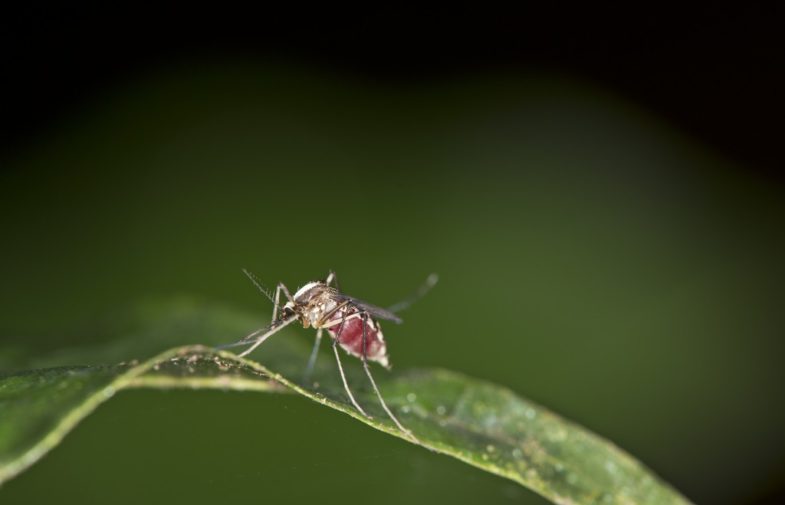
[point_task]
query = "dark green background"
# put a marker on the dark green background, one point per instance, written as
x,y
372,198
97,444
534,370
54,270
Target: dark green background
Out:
x,y
592,257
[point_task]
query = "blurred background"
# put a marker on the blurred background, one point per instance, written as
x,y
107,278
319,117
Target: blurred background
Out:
x,y
601,193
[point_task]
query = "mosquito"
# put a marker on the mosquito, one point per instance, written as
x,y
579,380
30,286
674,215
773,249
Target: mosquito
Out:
x,y
351,323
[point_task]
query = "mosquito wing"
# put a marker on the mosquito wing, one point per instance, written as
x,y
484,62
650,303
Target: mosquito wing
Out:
x,y
373,310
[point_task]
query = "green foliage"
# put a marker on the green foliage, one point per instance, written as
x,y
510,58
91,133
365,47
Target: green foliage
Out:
x,y
482,424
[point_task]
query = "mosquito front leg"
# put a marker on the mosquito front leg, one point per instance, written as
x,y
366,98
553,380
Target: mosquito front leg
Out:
x,y
273,330
312,358
373,382
343,376
277,301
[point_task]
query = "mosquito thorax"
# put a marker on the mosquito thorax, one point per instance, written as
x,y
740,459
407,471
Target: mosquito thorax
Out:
x,y
305,293
312,302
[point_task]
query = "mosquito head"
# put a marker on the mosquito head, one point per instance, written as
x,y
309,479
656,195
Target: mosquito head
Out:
x,y
288,310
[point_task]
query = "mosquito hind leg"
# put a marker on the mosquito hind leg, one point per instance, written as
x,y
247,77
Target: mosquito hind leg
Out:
x,y
421,291
343,375
375,387
312,358
346,384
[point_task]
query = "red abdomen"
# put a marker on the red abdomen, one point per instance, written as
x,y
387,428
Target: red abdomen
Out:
x,y
351,336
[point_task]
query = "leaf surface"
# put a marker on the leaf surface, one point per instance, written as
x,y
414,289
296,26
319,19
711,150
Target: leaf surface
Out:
x,y
483,424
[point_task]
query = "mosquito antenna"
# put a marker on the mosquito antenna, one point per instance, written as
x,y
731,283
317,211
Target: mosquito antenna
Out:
x,y
259,285
421,291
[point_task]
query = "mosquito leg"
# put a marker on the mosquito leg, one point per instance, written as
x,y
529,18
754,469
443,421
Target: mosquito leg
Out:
x,y
285,290
277,299
345,384
343,376
324,321
375,387
312,358
272,331
421,291
276,302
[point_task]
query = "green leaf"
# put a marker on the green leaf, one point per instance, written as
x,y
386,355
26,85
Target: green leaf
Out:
x,y
482,424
